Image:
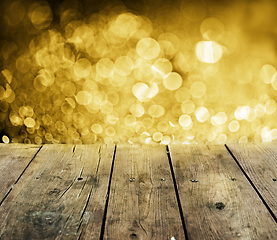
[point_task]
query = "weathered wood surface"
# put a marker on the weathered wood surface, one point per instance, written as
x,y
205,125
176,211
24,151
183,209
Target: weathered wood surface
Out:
x,y
128,192
142,202
218,202
259,161
52,198
14,158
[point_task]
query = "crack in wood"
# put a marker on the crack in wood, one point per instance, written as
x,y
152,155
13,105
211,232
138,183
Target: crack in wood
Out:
x,y
99,159
86,205
139,216
68,188
73,150
80,176
82,188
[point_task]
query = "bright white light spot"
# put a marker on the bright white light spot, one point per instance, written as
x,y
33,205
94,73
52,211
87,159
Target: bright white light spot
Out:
x,y
5,139
208,51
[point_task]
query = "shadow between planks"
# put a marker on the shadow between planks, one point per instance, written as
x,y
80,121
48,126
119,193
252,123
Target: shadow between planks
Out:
x,y
138,192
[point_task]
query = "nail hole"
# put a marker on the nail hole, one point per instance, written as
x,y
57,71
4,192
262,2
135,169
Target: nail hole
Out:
x,y
56,190
193,180
162,179
274,179
132,179
219,205
233,179
79,178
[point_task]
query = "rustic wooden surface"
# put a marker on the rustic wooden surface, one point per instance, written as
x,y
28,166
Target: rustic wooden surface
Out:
x,y
142,199
138,192
50,201
218,202
15,157
259,161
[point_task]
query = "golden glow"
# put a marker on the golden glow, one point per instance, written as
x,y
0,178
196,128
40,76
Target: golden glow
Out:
x,y
143,92
212,29
202,114
267,72
105,67
185,120
148,48
183,74
157,136
137,110
162,66
234,126
5,139
82,68
172,81
41,15
208,51
124,65
156,111
198,89
188,107
219,119
97,128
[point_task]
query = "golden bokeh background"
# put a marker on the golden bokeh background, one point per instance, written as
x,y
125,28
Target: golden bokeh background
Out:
x,y
154,72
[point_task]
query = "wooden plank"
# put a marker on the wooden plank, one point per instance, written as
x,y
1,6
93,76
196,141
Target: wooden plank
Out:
x,y
259,162
142,202
217,200
50,200
14,158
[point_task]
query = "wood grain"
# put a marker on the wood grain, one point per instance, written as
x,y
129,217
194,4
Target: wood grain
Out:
x,y
14,158
217,200
142,202
51,199
259,161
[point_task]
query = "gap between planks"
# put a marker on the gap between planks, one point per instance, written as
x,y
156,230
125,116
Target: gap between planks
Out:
x,y
174,182
107,198
176,192
252,184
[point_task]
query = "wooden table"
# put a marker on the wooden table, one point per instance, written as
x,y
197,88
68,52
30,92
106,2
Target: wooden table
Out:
x,y
138,192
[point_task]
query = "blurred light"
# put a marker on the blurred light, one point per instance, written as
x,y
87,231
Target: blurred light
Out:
x,y
212,29
172,81
185,120
5,139
41,15
148,48
185,74
208,51
234,126
202,114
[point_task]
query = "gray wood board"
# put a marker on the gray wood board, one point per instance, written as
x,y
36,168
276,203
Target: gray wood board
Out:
x,y
218,201
51,199
14,158
142,203
259,162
